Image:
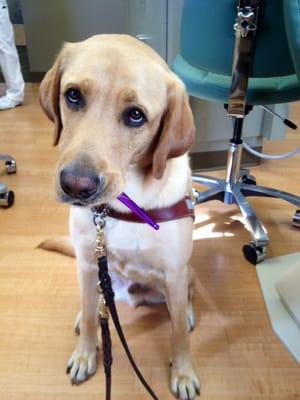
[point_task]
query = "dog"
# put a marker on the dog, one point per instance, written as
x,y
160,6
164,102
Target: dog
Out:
x,y
123,124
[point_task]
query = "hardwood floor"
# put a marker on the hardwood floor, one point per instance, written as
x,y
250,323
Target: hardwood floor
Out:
x,y
237,354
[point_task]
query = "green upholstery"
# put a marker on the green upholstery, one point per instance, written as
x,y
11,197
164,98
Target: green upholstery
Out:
x,y
215,87
207,42
292,23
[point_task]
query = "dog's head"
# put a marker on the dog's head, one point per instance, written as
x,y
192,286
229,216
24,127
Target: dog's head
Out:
x,y
114,102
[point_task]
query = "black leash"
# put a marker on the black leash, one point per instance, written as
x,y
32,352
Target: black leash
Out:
x,y
106,349
107,356
107,301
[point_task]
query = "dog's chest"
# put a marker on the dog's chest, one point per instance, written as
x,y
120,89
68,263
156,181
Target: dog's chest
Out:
x,y
133,250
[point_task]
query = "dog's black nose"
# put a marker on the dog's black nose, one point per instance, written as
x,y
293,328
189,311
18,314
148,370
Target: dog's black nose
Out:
x,y
80,184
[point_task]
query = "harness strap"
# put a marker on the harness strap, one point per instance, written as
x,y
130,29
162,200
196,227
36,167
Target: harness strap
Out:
x,y
245,32
107,354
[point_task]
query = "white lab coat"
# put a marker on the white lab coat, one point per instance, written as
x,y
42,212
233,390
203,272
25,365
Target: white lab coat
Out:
x,y
9,59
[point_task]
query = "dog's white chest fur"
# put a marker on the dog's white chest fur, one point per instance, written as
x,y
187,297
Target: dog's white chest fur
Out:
x,y
137,254
133,251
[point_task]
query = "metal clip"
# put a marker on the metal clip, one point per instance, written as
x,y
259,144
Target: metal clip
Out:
x,y
246,21
100,249
99,217
103,310
99,221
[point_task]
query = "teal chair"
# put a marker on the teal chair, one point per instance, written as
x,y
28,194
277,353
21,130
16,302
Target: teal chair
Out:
x,y
241,53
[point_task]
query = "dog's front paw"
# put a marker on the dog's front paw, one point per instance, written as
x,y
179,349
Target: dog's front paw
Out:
x,y
185,384
82,365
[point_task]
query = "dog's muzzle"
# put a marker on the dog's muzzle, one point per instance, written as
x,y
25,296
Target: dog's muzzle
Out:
x,y
80,184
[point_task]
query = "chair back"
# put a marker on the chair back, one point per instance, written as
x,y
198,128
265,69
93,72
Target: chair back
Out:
x,y
207,37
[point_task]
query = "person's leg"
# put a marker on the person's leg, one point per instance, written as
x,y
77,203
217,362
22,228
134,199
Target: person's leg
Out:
x,y
9,63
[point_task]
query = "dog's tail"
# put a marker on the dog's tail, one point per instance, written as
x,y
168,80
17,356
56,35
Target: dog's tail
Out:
x,y
60,244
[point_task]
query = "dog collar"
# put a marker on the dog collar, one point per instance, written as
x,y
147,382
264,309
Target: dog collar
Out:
x,y
182,209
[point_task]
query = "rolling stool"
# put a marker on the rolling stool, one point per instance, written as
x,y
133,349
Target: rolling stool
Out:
x,y
266,61
7,196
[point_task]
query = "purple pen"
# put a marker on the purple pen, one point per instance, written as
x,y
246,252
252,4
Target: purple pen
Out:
x,y
137,210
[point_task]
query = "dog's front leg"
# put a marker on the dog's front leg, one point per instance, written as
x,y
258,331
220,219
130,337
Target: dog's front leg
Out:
x,y
184,381
83,362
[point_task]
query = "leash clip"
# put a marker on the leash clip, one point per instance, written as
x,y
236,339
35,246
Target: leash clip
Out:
x,y
246,21
99,221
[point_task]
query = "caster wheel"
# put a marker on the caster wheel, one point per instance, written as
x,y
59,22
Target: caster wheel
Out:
x,y
254,254
296,219
11,167
7,199
248,179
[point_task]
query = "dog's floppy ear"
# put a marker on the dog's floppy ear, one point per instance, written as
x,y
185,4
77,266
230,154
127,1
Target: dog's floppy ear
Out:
x,y
177,132
49,96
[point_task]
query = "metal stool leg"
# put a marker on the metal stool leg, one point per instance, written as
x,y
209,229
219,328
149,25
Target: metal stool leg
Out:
x,y
207,180
262,191
210,194
216,191
254,251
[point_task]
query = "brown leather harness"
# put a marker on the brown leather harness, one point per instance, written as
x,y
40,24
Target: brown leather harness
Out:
x,y
182,209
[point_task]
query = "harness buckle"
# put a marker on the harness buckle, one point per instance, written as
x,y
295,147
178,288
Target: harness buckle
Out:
x,y
245,21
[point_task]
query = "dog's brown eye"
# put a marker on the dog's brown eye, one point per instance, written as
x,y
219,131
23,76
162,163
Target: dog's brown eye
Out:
x,y
134,117
74,98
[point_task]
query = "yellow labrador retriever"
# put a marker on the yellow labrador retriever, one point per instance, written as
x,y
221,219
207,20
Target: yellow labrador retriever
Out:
x,y
123,123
